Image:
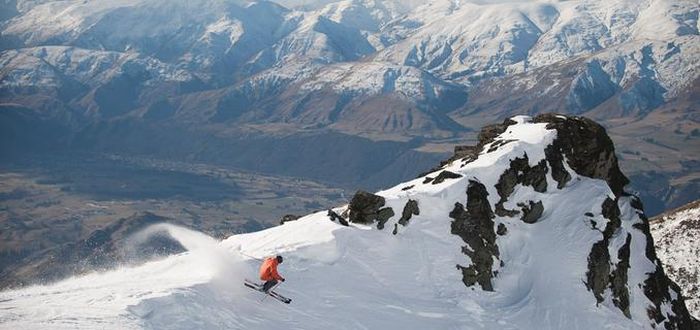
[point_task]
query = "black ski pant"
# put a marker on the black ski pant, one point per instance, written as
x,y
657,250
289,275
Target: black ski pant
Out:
x,y
269,284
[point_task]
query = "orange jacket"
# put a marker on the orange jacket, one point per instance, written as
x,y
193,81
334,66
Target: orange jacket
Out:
x,y
268,270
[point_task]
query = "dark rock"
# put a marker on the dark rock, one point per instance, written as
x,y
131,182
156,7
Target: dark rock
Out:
x,y
288,218
469,153
334,216
364,207
598,275
657,286
383,216
476,228
407,187
520,172
618,279
556,161
409,210
497,144
428,180
396,229
445,175
588,149
490,132
531,212
589,214
501,229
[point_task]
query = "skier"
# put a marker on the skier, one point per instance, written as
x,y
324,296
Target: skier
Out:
x,y
268,272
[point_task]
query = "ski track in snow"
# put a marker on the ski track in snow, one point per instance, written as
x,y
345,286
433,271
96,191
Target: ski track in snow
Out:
x,y
359,277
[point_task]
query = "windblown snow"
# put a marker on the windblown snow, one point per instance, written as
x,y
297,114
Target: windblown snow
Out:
x,y
360,277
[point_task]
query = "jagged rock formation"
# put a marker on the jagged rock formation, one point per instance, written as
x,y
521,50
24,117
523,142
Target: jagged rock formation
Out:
x,y
476,227
578,150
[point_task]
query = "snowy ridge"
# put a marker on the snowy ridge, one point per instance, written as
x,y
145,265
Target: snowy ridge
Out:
x,y
559,269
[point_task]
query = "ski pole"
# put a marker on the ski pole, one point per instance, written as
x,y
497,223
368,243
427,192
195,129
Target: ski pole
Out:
x,y
249,256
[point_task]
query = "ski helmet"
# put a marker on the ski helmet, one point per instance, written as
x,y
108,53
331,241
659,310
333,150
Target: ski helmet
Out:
x,y
280,259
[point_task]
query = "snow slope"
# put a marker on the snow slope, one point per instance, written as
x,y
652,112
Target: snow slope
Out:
x,y
361,277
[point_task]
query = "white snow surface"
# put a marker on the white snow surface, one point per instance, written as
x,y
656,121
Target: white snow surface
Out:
x,y
359,277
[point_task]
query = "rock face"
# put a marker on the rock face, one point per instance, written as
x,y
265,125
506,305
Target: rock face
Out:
x,y
588,150
580,150
476,228
599,275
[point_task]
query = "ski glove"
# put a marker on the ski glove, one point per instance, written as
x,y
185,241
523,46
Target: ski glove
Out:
x,y
282,280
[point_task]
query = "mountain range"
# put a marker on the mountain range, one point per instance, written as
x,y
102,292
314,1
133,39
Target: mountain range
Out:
x,y
222,81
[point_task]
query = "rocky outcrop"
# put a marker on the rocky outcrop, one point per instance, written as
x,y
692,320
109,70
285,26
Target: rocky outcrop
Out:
x,y
599,276
658,287
469,153
531,211
366,208
383,216
588,149
520,172
409,210
288,218
476,228
581,146
444,175
335,217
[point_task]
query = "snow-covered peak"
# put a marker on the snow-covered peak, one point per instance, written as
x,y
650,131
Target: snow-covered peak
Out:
x,y
531,221
477,39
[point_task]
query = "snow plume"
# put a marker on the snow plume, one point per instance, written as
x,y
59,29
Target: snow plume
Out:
x,y
191,240
203,252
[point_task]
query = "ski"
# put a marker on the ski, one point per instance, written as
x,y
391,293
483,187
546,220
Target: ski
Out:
x,y
258,287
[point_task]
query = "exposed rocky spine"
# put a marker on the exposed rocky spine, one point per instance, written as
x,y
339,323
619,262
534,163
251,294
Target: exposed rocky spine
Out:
x,y
476,228
658,287
599,275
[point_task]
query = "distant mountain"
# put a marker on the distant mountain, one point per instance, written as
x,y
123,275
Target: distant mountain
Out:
x,y
426,72
677,239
